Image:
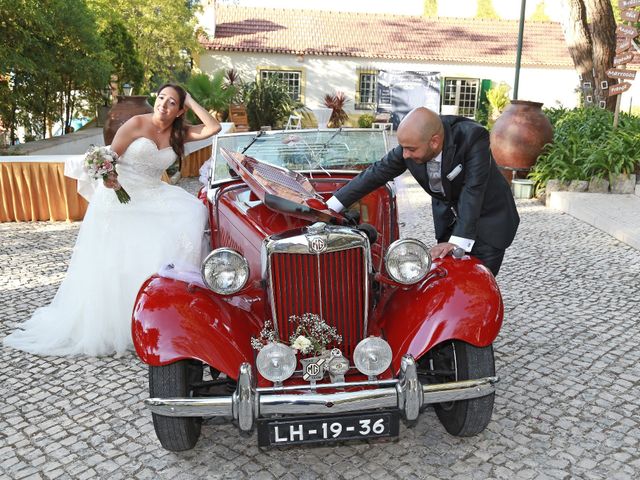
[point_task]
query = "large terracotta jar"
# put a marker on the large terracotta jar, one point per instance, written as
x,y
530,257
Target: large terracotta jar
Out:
x,y
519,136
127,107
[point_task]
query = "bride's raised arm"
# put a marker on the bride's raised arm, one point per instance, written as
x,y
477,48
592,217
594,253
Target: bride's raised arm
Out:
x,y
210,126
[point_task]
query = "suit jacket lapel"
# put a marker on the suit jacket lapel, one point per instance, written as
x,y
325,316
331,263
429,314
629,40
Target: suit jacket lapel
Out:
x,y
448,155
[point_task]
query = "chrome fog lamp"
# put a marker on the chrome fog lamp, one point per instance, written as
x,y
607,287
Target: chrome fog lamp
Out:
x,y
276,361
407,261
225,271
372,356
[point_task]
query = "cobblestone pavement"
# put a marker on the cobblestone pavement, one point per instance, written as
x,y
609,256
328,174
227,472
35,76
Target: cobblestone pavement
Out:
x,y
567,405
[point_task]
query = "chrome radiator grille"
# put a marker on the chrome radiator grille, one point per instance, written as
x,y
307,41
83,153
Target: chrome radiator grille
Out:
x,y
332,284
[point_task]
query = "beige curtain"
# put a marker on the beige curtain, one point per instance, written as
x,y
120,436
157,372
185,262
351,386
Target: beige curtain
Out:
x,y
34,191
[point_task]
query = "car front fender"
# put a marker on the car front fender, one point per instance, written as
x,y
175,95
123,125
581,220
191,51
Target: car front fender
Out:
x,y
173,320
464,304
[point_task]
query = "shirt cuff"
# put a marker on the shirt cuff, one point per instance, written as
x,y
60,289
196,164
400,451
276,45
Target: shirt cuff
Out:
x,y
464,243
334,204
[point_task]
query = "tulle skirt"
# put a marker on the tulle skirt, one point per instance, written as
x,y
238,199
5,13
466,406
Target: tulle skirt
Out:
x,y
118,247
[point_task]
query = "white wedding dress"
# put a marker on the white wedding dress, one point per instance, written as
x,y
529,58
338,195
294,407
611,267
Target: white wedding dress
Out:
x,y
118,247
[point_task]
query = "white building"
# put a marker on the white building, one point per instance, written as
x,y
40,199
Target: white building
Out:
x,y
320,52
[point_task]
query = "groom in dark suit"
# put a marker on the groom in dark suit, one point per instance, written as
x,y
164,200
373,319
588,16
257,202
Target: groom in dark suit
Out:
x,y
449,156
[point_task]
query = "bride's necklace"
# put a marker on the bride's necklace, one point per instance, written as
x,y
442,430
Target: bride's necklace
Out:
x,y
160,129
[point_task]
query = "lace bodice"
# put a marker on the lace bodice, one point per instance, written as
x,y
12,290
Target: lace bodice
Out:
x,y
143,161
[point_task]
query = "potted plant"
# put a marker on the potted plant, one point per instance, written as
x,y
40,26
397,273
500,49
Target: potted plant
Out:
x,y
268,102
336,102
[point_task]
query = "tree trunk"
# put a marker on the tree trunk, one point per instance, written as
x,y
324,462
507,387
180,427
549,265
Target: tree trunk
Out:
x,y
12,125
591,46
604,43
68,107
45,113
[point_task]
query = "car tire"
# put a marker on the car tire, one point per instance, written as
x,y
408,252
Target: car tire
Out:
x,y
464,418
175,380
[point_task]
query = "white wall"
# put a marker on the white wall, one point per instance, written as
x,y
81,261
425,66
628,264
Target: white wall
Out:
x,y
329,74
71,144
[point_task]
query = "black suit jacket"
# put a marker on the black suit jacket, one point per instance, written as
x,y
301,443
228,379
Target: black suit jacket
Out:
x,y
479,194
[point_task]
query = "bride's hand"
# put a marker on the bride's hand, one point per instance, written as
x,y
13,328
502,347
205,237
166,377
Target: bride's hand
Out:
x,y
188,101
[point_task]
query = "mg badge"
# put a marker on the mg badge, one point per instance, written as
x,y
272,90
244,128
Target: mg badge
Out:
x,y
317,244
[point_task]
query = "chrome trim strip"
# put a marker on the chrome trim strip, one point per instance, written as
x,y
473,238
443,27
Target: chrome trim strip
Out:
x,y
364,383
338,238
454,394
244,398
409,388
311,403
191,407
460,384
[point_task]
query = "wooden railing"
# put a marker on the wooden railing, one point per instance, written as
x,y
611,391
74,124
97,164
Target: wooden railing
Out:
x,y
34,188
192,162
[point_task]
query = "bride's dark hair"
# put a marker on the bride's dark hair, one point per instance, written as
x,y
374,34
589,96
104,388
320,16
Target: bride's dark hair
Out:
x,y
178,128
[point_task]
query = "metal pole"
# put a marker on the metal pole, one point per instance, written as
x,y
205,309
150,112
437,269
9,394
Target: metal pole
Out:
x,y
616,113
519,49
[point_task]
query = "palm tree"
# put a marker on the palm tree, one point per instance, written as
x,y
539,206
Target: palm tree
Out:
x,y
213,93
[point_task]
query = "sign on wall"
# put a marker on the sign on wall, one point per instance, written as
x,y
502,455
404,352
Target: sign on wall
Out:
x,y
399,92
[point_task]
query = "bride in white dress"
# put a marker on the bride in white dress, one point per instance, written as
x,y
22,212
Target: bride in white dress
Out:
x,y
120,245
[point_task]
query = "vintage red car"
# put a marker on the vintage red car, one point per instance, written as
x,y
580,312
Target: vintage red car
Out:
x,y
404,332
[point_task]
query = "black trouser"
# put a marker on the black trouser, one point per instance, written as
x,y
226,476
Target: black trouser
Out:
x,y
490,256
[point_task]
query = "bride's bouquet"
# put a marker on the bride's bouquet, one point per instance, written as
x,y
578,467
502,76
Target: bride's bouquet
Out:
x,y
100,163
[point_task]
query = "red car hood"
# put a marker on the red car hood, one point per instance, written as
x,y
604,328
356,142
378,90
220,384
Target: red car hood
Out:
x,y
280,189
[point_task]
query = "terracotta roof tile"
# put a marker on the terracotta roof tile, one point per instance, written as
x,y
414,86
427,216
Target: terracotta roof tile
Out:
x,y
377,36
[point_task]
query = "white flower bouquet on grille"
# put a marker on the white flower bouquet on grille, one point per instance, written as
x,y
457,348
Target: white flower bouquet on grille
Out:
x,y
311,334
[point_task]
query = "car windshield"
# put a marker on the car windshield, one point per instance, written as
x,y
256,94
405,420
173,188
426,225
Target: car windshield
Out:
x,y
304,150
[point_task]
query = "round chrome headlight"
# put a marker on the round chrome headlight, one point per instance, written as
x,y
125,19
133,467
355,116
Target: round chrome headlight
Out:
x,y
372,356
407,261
276,361
225,271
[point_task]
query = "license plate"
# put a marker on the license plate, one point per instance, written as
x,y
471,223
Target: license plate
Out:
x,y
322,429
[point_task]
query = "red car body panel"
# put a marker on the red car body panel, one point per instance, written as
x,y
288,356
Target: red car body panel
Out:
x,y
456,306
173,320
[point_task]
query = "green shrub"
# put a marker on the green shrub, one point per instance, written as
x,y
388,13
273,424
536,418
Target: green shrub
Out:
x,y
586,145
268,102
214,93
365,120
498,98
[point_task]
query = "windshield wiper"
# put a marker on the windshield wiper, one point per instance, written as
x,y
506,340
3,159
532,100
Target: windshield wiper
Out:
x,y
326,144
253,140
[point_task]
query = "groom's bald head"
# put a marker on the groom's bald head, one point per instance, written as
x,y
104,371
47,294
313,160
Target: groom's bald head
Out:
x,y
421,135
